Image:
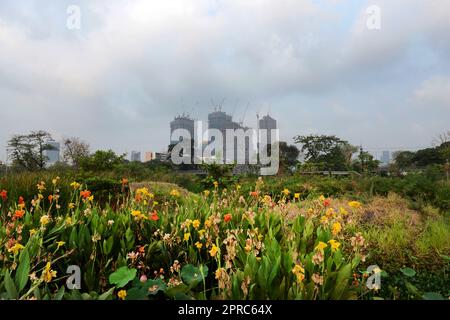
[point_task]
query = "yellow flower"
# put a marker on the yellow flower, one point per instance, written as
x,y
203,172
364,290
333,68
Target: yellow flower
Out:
x,y
297,196
16,248
216,184
48,274
322,198
175,193
334,245
122,294
136,213
238,187
355,204
196,224
71,205
336,228
208,223
55,181
343,212
206,193
32,232
75,185
321,246
60,244
324,220
41,186
199,245
213,250
69,221
45,219
286,192
187,236
91,198
299,272
330,212
188,223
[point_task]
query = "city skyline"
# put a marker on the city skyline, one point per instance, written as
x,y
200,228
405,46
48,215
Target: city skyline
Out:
x,y
316,66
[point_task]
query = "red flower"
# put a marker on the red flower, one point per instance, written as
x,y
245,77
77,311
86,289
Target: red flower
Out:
x,y
254,194
50,198
227,218
4,195
326,202
154,216
19,214
85,194
21,200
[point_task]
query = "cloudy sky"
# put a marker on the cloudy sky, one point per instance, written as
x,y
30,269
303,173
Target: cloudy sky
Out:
x,y
313,64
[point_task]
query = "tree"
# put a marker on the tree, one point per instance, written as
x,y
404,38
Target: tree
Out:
x,y
325,150
288,155
28,151
365,163
75,150
404,159
101,161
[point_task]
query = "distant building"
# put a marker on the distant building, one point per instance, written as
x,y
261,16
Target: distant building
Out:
x,y
162,156
149,156
182,122
53,155
135,156
385,157
267,123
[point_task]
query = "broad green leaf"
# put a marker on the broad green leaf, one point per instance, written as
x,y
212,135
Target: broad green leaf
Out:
x,y
408,272
432,296
23,270
10,286
122,276
192,275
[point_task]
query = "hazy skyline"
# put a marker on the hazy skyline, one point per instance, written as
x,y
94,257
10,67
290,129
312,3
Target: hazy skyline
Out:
x,y
119,80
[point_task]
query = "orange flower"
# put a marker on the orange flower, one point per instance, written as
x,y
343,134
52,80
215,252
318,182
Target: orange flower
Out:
x,y
4,195
154,216
124,181
85,194
19,214
50,198
326,202
21,200
227,218
254,194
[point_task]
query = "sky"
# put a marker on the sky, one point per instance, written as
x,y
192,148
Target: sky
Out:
x,y
314,65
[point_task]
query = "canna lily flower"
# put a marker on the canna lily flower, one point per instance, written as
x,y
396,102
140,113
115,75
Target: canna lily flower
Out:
x,y
334,245
85,194
16,248
336,228
227,218
4,195
199,245
297,196
343,212
122,294
299,272
75,185
32,232
50,198
216,184
124,181
45,219
196,224
154,216
214,250
21,201
187,236
326,202
19,214
71,205
355,204
68,221
286,192
48,274
55,181
175,193
41,186
137,214
254,194
206,193
321,246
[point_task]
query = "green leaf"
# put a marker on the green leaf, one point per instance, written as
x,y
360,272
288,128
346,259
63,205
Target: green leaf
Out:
x,y
10,287
23,270
192,275
135,294
408,272
107,295
432,296
122,276
60,294
152,287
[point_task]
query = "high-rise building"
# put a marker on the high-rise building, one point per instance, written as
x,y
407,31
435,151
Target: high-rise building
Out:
x,y
53,154
385,157
267,123
183,121
149,156
135,156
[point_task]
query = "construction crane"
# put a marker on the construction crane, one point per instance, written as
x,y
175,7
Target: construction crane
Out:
x,y
245,113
